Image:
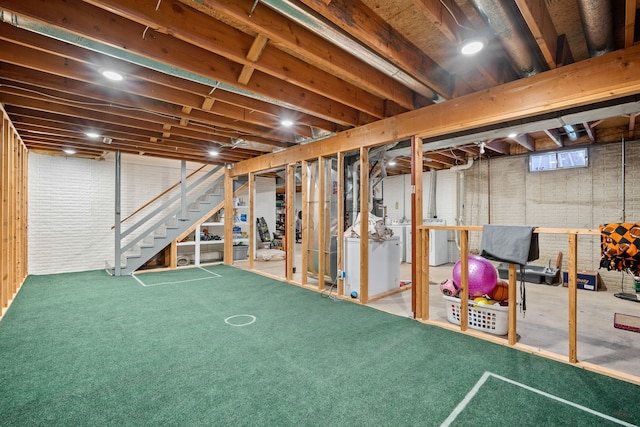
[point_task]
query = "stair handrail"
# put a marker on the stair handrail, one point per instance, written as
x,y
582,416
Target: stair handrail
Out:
x,y
213,210
168,215
168,202
159,196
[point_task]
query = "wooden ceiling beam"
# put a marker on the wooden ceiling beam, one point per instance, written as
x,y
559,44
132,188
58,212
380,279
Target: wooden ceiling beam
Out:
x,y
435,157
499,146
253,55
630,7
603,78
234,106
159,148
589,130
53,129
177,154
71,15
150,110
200,30
442,18
555,136
538,19
51,78
632,123
73,126
310,47
563,51
354,17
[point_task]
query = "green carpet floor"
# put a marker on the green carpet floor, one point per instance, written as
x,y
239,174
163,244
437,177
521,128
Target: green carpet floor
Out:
x,y
193,348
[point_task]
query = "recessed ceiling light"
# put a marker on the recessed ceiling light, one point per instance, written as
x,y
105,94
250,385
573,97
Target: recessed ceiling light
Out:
x,y
472,46
512,135
69,151
286,123
92,134
113,75
213,153
392,163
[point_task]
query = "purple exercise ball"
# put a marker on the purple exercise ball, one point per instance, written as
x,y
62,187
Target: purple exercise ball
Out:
x,y
482,276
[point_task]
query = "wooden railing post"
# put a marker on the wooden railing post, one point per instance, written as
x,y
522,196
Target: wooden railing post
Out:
x,y
513,274
573,297
464,280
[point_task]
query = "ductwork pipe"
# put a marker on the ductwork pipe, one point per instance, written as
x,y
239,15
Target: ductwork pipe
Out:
x,y
462,167
500,20
460,195
597,22
572,132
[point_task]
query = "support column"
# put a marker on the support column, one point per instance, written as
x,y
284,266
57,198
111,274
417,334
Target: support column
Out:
x,y
118,246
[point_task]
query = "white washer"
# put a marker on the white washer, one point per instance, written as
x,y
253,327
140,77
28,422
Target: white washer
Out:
x,y
400,230
438,243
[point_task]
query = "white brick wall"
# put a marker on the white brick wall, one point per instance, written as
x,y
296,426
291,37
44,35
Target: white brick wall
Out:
x,y
71,207
71,203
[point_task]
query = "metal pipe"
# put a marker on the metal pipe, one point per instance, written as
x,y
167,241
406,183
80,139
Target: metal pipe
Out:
x,y
117,266
500,20
572,132
303,17
183,190
431,213
624,166
597,22
488,190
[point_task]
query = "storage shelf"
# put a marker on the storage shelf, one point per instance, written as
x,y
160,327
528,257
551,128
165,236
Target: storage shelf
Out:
x,y
199,251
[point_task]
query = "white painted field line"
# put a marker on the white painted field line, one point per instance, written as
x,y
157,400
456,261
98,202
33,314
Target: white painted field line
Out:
x,y
210,272
179,281
463,404
486,375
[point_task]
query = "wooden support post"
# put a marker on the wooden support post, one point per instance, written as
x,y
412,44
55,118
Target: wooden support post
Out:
x,y
252,220
513,275
13,211
289,219
419,290
423,255
305,222
12,214
228,218
4,191
464,280
18,217
364,225
172,262
340,209
573,297
321,221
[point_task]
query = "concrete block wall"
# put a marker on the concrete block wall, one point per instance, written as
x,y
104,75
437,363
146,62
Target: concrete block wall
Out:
x,y
572,198
503,191
71,206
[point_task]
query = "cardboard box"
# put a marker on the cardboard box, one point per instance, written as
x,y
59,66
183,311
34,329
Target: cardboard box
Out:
x,y
587,280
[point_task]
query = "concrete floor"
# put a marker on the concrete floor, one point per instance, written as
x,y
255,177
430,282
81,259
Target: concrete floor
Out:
x,y
544,326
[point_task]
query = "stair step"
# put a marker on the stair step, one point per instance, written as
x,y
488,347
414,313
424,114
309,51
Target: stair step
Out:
x,y
210,195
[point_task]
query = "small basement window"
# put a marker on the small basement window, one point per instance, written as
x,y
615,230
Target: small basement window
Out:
x,y
554,160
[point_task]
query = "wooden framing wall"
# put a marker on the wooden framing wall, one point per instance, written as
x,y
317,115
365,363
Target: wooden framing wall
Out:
x,y
572,308
610,76
13,212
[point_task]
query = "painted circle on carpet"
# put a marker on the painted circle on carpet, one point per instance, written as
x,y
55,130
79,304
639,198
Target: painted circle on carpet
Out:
x,y
236,320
